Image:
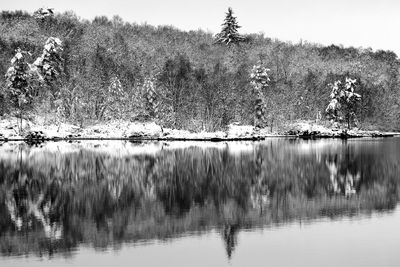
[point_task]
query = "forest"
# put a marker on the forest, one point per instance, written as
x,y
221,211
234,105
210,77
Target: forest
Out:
x,y
110,69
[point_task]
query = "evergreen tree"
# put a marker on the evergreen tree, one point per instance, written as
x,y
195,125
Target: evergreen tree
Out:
x,y
48,68
113,106
229,34
150,97
259,80
49,63
18,82
20,78
344,101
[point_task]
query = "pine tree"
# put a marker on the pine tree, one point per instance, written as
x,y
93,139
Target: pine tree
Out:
x,y
20,76
114,106
229,33
344,99
18,82
150,97
48,68
49,63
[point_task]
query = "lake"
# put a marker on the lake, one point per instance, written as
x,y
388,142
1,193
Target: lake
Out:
x,y
278,202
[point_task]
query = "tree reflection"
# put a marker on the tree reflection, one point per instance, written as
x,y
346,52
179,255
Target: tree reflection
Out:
x,y
229,234
62,199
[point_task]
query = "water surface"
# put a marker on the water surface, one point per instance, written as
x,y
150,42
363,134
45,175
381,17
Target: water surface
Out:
x,y
279,202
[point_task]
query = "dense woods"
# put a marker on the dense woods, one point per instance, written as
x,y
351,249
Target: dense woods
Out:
x,y
112,69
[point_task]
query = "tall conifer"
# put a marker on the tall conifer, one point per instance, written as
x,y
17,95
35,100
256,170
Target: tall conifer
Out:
x,y
229,33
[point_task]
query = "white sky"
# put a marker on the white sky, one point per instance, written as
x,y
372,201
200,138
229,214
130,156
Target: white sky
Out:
x,y
358,23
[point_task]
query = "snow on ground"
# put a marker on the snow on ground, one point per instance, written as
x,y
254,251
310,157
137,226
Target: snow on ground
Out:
x,y
150,130
9,127
328,129
116,129
303,126
235,131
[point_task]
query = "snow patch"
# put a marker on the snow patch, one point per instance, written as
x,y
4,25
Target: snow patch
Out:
x,y
240,131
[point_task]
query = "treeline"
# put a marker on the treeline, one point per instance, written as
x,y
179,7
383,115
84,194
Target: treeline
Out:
x,y
118,70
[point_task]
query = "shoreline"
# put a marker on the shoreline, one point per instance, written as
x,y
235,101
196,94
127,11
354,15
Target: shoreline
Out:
x,y
216,139
37,132
188,139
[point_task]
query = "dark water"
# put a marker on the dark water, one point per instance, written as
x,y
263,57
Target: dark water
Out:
x,y
278,202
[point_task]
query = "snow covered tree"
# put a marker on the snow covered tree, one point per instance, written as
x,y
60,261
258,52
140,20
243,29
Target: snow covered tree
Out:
x,y
259,76
150,97
344,101
229,33
115,96
43,13
20,76
49,63
48,68
18,82
259,80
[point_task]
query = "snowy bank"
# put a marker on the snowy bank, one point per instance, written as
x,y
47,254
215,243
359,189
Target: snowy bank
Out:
x,y
118,129
308,129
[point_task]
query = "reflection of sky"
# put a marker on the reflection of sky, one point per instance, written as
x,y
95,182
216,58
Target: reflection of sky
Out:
x,y
370,241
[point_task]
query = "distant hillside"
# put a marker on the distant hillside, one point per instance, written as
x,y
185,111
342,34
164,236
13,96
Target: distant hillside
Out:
x,y
110,67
